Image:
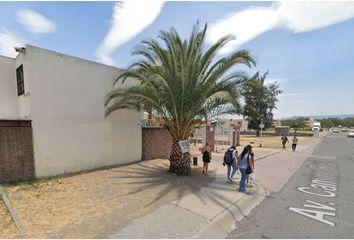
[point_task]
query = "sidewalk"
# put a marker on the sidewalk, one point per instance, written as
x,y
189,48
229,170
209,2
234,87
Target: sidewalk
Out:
x,y
275,171
212,211
144,200
209,212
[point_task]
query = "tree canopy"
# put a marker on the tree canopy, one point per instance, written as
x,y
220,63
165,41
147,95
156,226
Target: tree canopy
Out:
x,y
183,82
260,100
296,123
335,122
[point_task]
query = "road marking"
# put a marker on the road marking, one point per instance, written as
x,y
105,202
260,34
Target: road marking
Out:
x,y
323,185
318,205
314,214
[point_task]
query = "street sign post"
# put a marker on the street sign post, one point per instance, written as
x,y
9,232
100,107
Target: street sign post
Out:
x,y
184,145
261,126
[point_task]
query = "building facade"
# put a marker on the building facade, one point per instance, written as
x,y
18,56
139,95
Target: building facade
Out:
x,y
63,98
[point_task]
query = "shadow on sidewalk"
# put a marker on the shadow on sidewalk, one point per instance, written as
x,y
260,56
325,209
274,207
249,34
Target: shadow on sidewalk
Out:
x,y
143,177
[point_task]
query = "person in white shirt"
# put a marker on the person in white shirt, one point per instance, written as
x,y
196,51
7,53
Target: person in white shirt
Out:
x,y
244,163
294,142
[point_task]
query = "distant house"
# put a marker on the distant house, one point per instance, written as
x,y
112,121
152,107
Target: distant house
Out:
x,y
243,124
62,99
276,123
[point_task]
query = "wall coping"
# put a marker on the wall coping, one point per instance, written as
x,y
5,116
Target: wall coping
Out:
x,y
15,123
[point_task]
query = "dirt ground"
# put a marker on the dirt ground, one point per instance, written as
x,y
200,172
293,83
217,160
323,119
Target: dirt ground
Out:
x,y
94,204
268,141
7,226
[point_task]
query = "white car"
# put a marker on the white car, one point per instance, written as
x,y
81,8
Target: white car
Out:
x,y
336,130
351,134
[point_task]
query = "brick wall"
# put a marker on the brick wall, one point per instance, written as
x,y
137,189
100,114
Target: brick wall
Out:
x,y
210,137
16,150
157,143
236,136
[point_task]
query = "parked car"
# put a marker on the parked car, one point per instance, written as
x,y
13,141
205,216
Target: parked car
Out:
x,y
345,130
351,134
336,130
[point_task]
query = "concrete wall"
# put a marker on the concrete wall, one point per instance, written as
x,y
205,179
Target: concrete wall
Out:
x,y
70,132
244,125
8,90
282,130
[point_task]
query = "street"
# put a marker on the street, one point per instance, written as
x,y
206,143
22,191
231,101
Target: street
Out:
x,y
317,201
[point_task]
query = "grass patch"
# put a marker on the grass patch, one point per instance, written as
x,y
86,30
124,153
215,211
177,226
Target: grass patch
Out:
x,y
267,141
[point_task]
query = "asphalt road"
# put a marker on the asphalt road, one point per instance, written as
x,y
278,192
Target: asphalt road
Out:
x,y
317,201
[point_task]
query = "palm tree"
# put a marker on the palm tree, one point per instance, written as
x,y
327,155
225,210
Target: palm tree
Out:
x,y
182,83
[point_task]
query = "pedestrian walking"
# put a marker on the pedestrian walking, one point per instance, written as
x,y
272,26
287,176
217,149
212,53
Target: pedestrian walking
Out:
x,y
294,142
243,162
284,139
230,160
206,157
250,168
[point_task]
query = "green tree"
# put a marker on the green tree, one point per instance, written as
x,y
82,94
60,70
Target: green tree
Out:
x,y
182,82
295,123
260,101
333,122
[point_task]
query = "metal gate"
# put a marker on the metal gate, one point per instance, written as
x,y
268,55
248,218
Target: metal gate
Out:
x,y
223,137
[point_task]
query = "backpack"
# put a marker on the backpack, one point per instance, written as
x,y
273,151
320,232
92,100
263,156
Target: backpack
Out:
x,y
228,157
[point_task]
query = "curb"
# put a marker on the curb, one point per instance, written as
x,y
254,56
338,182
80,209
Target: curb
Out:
x,y
267,155
19,227
224,222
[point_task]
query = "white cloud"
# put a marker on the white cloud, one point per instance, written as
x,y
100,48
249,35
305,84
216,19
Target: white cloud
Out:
x,y
8,41
309,16
296,16
246,25
278,80
294,94
35,22
129,19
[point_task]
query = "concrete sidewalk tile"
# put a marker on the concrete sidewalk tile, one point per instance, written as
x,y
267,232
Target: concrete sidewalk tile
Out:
x,y
224,223
211,231
168,221
203,203
210,201
246,204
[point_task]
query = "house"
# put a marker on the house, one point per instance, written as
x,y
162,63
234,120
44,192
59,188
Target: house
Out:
x,y
60,98
276,123
242,123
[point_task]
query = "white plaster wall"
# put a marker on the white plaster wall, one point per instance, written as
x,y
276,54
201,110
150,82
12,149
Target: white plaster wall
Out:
x,y
244,125
69,128
23,101
8,89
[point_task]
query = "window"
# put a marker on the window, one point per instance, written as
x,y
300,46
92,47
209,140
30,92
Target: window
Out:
x,y
20,82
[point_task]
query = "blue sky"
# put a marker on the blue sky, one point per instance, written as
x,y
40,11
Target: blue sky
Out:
x,y
307,47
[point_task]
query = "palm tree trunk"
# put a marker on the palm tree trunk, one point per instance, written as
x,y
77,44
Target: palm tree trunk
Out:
x,y
180,163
